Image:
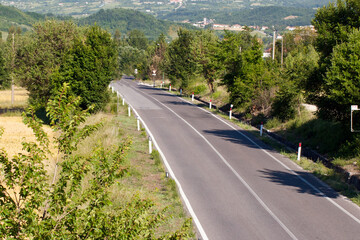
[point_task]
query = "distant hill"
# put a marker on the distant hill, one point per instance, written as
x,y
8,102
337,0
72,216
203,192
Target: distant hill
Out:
x,y
274,15
11,16
126,20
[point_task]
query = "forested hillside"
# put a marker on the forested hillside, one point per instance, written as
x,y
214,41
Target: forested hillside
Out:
x,y
273,15
126,20
10,16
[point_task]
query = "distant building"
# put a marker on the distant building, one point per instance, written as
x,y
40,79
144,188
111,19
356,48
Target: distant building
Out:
x,y
235,27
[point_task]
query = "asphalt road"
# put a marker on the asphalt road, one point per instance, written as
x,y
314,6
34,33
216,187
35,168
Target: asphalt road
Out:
x,y
234,186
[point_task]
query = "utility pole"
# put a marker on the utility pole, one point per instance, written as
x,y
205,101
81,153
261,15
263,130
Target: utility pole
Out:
x,y
12,66
273,53
282,50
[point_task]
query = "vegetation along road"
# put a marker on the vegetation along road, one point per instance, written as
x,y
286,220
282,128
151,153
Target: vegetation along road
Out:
x,y
234,186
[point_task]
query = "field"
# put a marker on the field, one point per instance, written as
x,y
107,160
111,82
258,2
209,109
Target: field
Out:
x,y
20,98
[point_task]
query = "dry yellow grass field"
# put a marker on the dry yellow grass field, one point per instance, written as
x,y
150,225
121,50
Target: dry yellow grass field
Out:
x,y
15,132
20,98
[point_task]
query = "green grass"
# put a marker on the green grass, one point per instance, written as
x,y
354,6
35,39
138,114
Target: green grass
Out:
x,y
146,177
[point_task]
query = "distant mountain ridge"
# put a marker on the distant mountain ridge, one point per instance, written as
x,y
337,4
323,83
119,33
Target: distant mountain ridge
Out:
x,y
125,20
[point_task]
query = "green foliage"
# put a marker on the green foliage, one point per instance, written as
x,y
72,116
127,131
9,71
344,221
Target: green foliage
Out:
x,y
126,20
137,39
58,52
261,16
200,89
241,55
5,80
33,208
89,67
205,57
335,24
40,56
342,79
180,61
131,58
285,103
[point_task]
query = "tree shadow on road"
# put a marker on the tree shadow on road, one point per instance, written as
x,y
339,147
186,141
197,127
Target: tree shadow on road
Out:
x,y
295,181
237,136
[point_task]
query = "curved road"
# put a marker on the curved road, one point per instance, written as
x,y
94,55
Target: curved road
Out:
x,y
236,187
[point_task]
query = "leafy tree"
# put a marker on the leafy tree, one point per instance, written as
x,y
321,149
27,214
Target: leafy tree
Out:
x,y
33,208
131,58
244,67
180,64
89,66
137,39
342,80
5,80
206,49
157,55
58,52
334,24
40,56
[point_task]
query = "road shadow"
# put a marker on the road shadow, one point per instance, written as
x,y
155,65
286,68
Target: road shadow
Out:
x,y
235,136
292,180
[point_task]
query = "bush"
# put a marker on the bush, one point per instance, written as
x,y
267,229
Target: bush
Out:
x,y
284,106
200,89
272,123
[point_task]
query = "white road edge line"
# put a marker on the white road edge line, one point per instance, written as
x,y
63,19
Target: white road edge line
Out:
x,y
282,164
234,171
181,191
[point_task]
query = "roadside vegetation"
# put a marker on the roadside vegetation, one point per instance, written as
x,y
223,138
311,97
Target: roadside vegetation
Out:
x,y
57,57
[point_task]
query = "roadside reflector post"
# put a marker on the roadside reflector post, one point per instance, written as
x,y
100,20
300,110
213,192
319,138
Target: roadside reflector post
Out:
x,y
261,128
138,123
167,175
112,89
117,103
210,104
150,145
129,111
170,87
230,113
192,97
299,152
123,102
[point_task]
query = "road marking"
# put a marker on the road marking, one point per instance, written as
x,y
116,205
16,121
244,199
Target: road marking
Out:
x,y
282,164
181,191
262,203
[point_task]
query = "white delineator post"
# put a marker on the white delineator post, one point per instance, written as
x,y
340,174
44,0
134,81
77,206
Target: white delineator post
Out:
x,y
117,103
230,113
192,97
261,128
299,152
150,145
170,87
138,123
210,104
123,102
129,111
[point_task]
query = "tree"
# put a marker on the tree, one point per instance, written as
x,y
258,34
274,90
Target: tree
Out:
x,y
40,56
33,208
58,52
342,80
205,56
334,24
137,39
180,64
5,80
89,66
241,55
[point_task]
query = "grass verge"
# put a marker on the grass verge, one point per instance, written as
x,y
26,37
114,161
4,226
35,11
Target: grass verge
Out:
x,y
146,177
327,175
